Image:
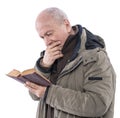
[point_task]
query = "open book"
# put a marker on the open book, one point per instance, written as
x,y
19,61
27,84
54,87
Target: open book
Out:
x,y
29,75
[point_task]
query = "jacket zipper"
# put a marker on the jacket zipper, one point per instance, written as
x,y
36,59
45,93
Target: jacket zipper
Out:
x,y
71,69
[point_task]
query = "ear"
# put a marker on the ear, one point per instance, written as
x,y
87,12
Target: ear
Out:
x,y
68,25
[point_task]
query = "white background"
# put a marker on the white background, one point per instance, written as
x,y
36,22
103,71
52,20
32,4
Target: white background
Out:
x,y
20,44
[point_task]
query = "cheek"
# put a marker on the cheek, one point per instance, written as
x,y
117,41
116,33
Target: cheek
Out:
x,y
60,36
62,39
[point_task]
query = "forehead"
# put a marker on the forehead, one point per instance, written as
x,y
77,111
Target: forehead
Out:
x,y
42,28
46,26
45,23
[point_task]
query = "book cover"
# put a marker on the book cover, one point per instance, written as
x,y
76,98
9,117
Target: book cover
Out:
x,y
29,75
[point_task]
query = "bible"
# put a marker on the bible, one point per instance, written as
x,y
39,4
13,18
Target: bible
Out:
x,y
29,75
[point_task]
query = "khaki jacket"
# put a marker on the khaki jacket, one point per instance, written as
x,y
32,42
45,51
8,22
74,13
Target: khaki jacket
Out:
x,y
85,87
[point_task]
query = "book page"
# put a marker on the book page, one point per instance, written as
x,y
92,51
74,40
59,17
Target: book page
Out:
x,y
14,73
28,71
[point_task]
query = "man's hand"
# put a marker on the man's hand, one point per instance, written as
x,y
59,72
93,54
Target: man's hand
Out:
x,y
53,52
35,89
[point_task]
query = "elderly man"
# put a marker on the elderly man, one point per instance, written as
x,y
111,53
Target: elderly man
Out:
x,y
75,61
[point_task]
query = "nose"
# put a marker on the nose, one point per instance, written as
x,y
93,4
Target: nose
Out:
x,y
47,41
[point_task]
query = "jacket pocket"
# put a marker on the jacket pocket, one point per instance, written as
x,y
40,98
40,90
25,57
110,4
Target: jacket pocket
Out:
x,y
89,56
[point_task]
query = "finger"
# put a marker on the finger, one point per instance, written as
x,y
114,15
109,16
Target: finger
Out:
x,y
53,50
31,89
32,85
56,53
57,56
57,48
54,44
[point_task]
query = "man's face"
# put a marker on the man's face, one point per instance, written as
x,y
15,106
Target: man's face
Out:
x,y
52,31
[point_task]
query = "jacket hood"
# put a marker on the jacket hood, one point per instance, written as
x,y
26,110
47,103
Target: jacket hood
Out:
x,y
93,41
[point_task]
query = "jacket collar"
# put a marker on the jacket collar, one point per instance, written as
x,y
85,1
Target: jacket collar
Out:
x,y
78,41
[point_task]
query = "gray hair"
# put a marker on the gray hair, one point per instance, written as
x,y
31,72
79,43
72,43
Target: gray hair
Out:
x,y
56,13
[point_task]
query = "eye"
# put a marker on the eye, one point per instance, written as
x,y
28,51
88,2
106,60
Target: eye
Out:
x,y
48,33
42,37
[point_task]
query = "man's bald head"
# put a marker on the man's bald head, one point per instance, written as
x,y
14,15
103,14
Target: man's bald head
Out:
x,y
53,25
53,13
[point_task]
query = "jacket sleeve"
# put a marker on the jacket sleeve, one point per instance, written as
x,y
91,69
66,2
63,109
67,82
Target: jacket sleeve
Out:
x,y
98,86
33,96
